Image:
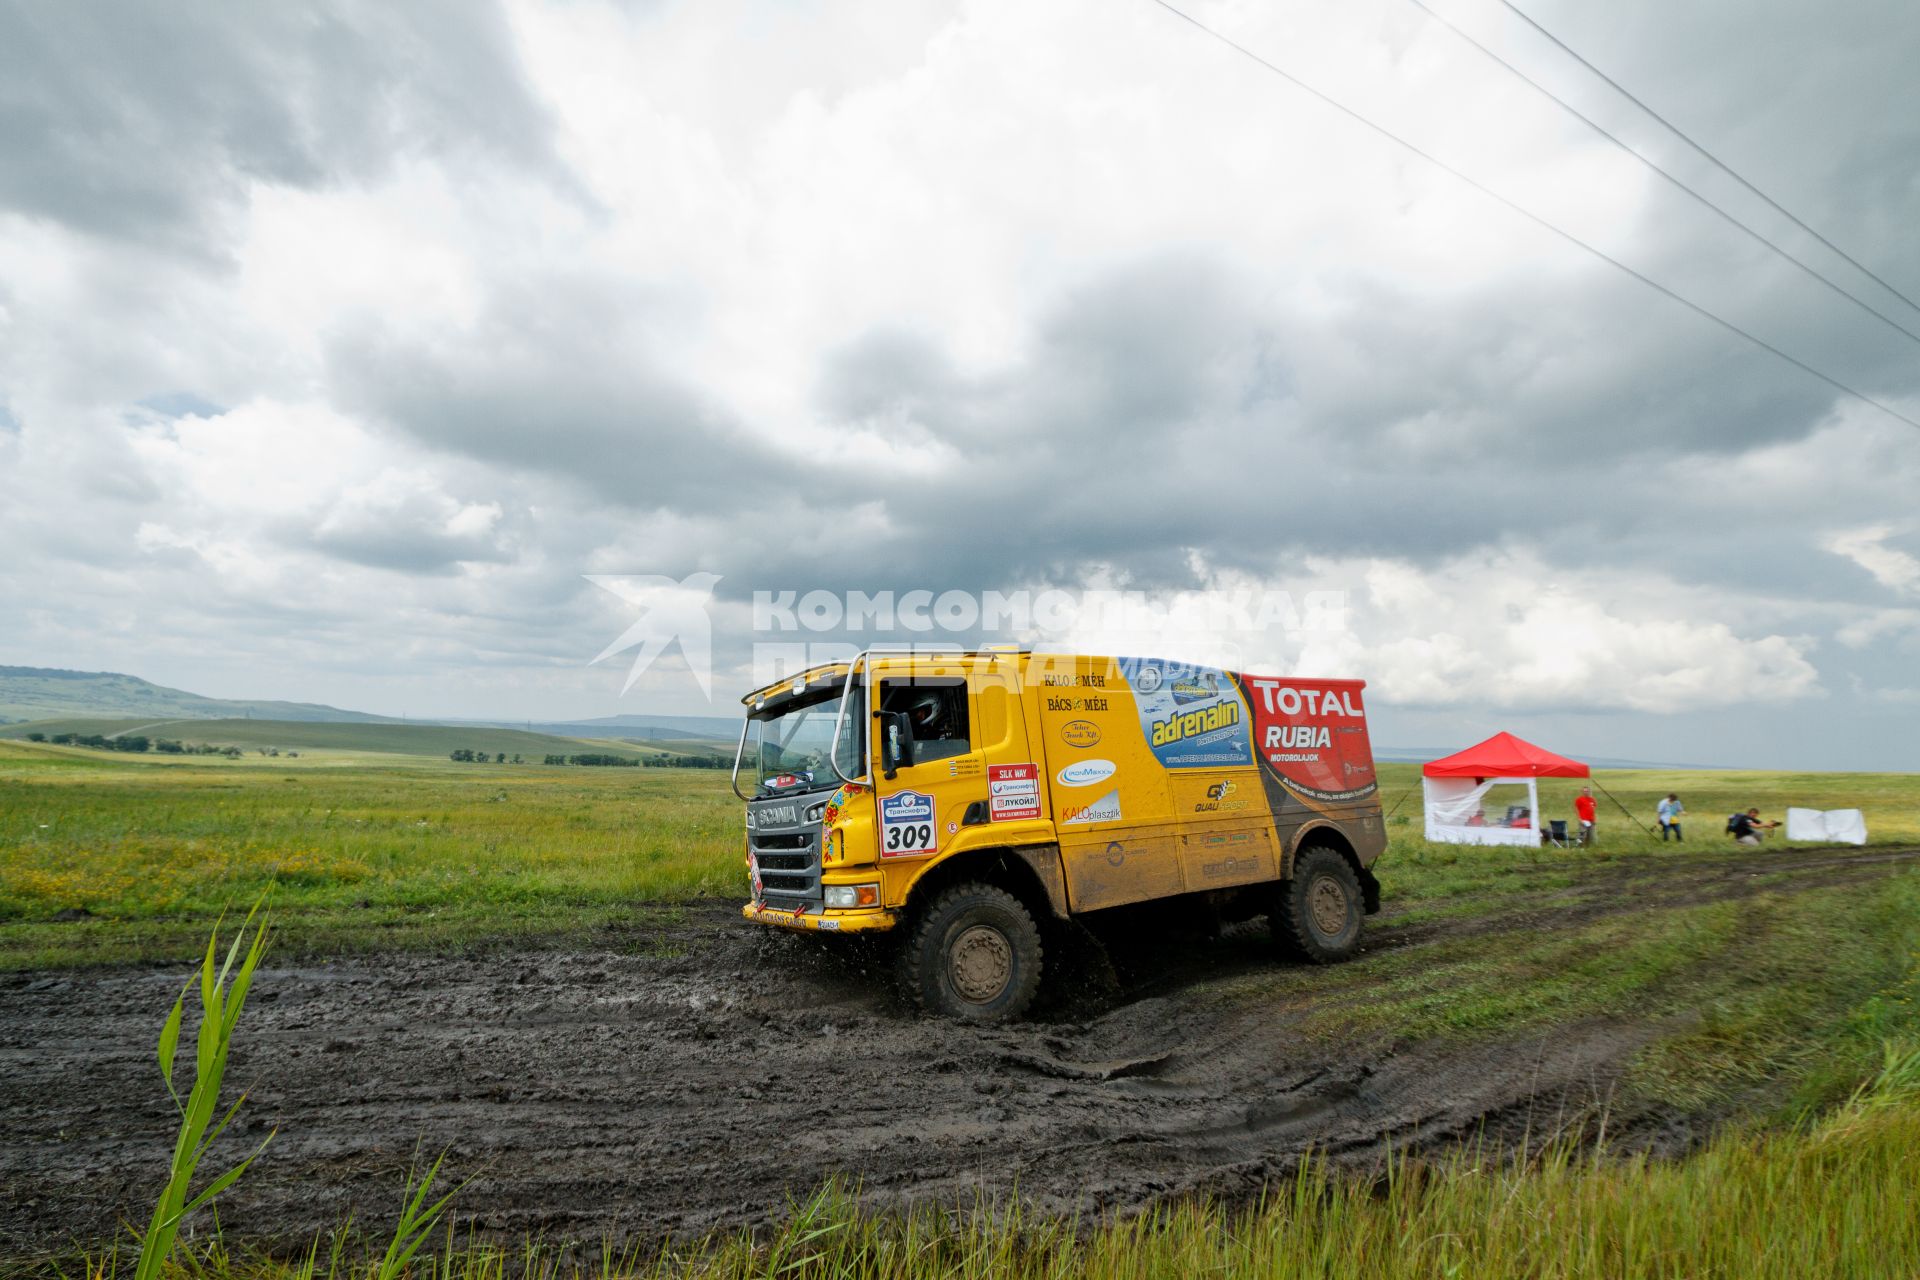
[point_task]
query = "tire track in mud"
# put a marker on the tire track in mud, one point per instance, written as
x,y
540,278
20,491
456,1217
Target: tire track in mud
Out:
x,y
598,1092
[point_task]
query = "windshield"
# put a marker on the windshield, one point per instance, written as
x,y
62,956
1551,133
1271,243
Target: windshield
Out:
x,y
789,750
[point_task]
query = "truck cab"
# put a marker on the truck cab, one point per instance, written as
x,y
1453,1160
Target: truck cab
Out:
x,y
967,802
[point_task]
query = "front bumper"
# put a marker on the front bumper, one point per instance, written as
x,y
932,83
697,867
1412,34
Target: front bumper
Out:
x,y
810,916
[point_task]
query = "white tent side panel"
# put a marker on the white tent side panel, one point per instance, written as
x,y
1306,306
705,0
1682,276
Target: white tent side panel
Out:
x,y
1454,804
1828,826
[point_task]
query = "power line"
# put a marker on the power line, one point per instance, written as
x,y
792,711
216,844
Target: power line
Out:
x,y
1716,161
1648,161
1535,218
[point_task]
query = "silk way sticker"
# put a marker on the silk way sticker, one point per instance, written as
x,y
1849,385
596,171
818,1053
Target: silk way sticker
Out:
x,y
1105,809
906,825
1013,792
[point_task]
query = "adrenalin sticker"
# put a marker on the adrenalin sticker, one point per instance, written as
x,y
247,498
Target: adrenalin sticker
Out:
x,y
1192,717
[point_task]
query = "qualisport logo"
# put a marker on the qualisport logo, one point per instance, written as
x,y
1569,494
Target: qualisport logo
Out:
x,y
670,612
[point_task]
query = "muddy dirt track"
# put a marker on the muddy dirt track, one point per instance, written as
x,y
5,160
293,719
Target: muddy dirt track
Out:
x,y
593,1092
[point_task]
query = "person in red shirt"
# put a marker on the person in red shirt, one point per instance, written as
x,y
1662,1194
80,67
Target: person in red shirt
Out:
x,y
1583,809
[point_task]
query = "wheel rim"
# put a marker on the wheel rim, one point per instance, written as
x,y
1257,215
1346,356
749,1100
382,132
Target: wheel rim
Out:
x,y
1327,905
981,964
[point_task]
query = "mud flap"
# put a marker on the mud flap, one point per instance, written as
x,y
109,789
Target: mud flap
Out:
x,y
1369,891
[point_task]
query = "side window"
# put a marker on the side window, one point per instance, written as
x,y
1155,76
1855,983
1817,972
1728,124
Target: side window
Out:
x,y
936,712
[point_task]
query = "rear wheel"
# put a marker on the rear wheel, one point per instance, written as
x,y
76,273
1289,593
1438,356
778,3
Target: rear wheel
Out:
x,y
974,954
1319,910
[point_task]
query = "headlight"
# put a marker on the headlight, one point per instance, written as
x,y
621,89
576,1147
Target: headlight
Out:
x,y
817,812
846,897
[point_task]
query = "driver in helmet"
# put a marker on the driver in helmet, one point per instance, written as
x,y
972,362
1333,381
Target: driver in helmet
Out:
x,y
935,733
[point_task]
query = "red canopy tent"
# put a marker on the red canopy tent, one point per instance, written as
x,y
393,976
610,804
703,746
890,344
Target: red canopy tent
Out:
x,y
1456,788
1505,756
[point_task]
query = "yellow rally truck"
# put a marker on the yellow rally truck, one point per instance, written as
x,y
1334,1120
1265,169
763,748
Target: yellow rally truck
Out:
x,y
967,800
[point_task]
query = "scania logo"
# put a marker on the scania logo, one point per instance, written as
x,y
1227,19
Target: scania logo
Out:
x,y
777,815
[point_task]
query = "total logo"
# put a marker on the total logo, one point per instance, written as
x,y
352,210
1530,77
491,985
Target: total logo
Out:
x,y
1085,773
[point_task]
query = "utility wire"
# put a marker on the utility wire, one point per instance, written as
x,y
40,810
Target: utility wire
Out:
x,y
1648,161
1535,218
1716,161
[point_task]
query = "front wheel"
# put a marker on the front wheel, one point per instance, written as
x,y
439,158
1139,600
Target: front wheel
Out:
x,y
974,954
1319,910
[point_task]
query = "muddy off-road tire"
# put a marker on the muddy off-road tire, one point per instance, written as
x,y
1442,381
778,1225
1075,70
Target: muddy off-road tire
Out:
x,y
1317,916
973,954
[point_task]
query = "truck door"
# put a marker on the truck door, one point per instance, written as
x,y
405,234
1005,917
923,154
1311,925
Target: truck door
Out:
x,y
927,728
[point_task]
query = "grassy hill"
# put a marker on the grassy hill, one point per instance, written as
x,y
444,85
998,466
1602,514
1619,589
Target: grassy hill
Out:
x,y
39,693
395,739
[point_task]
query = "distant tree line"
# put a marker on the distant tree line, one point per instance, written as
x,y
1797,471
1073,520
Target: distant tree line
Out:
x,y
140,742
648,762
465,756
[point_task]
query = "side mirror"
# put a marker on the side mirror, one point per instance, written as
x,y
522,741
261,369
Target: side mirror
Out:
x,y
896,742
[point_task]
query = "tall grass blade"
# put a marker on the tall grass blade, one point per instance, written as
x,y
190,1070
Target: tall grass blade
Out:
x,y
220,1005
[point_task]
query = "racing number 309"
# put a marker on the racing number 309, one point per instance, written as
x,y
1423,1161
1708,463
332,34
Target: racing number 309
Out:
x,y
910,837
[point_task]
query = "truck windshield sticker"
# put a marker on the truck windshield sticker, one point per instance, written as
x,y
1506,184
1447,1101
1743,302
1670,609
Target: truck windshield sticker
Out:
x,y
1013,792
906,825
1192,717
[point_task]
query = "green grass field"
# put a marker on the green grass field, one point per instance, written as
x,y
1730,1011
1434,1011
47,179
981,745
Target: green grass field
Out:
x,y
107,857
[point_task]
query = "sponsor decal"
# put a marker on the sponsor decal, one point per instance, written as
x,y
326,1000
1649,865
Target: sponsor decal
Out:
x,y
784,781
963,767
1105,809
1013,792
1192,717
1080,734
1313,737
753,874
1219,798
1077,680
1200,686
1191,724
907,828
1229,867
830,925
1084,773
1116,853
1076,704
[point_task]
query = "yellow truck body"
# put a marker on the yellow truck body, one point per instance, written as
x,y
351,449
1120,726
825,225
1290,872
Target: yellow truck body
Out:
x,y
899,789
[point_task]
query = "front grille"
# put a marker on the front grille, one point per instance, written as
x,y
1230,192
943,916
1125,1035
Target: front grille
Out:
x,y
788,859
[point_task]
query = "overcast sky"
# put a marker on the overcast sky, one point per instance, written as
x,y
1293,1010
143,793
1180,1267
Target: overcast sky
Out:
x,y
338,345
